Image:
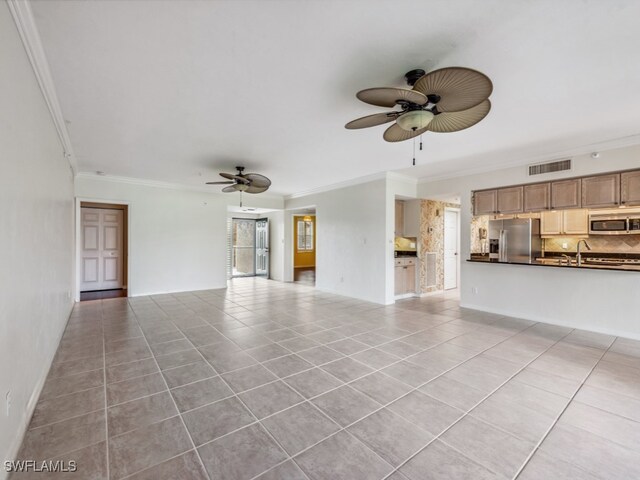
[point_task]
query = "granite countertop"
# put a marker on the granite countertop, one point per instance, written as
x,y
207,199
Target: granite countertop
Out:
x,y
538,263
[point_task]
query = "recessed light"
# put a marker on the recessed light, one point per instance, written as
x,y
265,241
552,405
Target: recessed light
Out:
x,y
595,155
100,172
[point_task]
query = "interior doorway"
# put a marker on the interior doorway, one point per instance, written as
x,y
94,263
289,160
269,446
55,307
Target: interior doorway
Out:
x,y
103,250
249,247
304,248
451,248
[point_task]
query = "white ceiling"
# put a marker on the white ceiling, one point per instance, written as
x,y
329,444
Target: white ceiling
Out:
x,y
179,90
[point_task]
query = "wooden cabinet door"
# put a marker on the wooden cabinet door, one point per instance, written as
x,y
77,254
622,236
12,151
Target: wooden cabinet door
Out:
x,y
510,200
630,188
551,223
565,194
410,279
537,197
399,279
399,224
601,191
575,222
485,202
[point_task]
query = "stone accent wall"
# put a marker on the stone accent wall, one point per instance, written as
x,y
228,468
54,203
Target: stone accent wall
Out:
x,y
432,240
476,224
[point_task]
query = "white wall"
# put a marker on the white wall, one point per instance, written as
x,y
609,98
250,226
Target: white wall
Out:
x,y
36,238
177,237
351,244
603,301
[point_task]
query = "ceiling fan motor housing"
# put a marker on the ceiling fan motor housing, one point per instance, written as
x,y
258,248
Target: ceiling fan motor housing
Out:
x,y
414,75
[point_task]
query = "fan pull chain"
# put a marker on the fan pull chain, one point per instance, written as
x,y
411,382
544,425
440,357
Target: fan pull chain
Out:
x,y
414,151
240,198
420,142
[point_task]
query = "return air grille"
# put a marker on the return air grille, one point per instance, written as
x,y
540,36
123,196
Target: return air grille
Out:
x,y
430,265
557,166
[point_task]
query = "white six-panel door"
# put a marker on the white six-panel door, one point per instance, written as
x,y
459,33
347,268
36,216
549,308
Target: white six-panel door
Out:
x,y
102,244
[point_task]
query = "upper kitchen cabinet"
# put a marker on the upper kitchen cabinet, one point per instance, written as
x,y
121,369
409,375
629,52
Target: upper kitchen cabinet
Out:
x,y
566,194
485,202
630,188
575,222
601,191
510,200
537,197
565,222
551,223
399,223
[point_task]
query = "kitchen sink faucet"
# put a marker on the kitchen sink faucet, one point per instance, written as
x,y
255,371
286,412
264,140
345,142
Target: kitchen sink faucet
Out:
x,y
579,254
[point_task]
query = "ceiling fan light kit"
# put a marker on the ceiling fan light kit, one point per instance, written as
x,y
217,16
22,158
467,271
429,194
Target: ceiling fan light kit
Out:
x,y
445,100
415,120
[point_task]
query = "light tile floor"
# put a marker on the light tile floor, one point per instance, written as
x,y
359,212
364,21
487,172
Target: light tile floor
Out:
x,y
279,381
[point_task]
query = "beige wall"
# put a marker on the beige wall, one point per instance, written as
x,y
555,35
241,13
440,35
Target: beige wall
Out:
x,y
432,240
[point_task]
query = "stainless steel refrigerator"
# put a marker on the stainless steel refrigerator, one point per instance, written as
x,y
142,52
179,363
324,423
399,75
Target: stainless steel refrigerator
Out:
x,y
516,240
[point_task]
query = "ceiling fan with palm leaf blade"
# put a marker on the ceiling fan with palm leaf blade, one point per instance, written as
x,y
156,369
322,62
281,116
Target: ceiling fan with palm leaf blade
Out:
x,y
445,100
243,182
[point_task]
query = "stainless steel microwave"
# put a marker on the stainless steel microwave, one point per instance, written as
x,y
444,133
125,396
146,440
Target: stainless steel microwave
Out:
x,y
613,225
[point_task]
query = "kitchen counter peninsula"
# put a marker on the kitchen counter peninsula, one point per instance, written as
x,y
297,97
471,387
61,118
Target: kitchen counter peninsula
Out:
x,y
553,262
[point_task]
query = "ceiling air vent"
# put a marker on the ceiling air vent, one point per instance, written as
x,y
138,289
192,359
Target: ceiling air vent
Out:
x,y
557,166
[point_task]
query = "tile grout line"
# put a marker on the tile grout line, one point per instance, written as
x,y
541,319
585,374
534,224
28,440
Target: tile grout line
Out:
x,y
345,428
106,404
174,404
369,347
468,411
257,421
569,402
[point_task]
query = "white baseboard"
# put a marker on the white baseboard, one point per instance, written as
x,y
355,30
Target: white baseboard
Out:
x,y
405,295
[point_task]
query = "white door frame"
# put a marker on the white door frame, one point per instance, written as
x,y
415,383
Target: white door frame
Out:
x,y
290,246
457,210
78,241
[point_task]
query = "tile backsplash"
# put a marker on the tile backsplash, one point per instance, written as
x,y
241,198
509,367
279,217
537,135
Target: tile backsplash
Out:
x,y
598,243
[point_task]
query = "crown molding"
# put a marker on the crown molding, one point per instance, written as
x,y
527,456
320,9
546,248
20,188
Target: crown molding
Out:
x,y
159,184
354,181
604,145
23,18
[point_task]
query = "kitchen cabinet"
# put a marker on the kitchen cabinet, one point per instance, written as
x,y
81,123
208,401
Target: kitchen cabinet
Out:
x,y
399,223
630,188
551,223
510,200
601,191
405,275
564,222
566,194
537,197
485,202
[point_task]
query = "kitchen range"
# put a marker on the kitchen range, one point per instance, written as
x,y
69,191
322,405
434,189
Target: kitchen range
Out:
x,y
587,222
